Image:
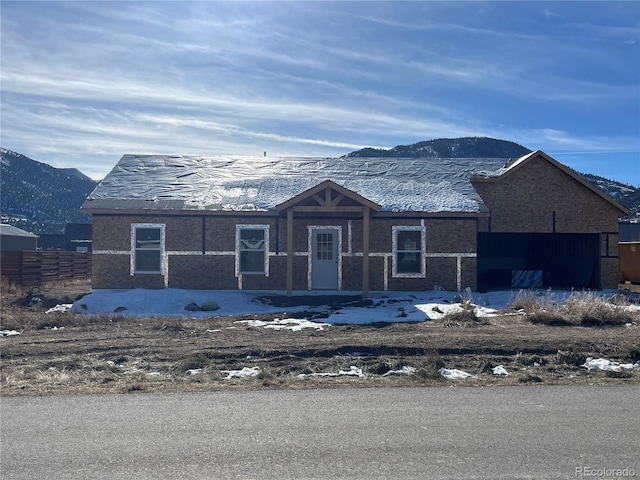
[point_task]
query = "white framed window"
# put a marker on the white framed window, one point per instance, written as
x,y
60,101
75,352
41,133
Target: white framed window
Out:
x,y
147,246
409,258
252,250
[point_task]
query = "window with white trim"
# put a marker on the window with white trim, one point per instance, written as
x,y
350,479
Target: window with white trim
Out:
x,y
147,245
252,249
408,251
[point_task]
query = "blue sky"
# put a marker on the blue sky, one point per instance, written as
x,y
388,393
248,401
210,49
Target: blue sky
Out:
x,y
85,82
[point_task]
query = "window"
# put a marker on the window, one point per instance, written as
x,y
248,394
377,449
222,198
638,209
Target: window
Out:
x,y
324,246
408,252
147,245
252,243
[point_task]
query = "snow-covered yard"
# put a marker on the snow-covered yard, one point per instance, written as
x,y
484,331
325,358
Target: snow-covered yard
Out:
x,y
385,306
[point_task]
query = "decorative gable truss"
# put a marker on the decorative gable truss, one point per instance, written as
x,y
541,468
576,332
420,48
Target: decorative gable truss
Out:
x,y
328,196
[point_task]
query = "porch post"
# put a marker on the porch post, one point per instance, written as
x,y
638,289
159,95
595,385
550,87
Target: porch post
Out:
x,y
289,251
365,251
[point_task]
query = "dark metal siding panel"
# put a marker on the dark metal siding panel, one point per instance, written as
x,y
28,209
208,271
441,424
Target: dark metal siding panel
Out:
x,y
538,245
566,259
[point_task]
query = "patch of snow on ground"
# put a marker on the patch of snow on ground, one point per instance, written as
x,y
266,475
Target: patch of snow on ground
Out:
x,y
453,374
244,373
406,370
61,307
8,333
352,372
500,370
194,371
608,365
435,311
293,324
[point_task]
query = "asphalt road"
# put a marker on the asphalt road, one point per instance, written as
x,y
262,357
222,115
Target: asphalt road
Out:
x,y
532,432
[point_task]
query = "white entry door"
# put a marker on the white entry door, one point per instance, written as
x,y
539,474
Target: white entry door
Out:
x,y
324,259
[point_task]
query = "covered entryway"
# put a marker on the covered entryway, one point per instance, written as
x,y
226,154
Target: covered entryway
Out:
x,y
532,260
327,199
324,260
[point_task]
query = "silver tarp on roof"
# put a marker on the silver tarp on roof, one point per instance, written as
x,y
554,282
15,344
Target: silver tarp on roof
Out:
x,y
262,183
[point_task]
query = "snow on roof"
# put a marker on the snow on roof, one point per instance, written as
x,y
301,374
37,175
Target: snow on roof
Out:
x,y
11,231
262,183
514,162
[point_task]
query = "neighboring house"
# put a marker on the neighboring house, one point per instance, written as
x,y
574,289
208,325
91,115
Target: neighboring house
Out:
x,y
357,224
52,241
630,231
15,239
76,238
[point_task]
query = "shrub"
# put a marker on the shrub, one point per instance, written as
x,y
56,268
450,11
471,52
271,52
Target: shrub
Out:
x,y
552,318
530,301
193,362
383,366
434,359
173,324
530,360
570,357
467,317
591,310
580,309
619,373
528,378
9,286
634,354
487,366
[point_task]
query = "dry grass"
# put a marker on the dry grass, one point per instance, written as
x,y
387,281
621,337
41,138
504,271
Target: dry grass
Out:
x,y
100,354
465,318
585,309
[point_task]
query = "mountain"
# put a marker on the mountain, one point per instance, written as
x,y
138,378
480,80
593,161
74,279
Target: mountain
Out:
x,y
38,197
42,199
483,147
467,147
627,195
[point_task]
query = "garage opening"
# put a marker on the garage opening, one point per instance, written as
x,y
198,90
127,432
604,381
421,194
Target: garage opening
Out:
x,y
538,260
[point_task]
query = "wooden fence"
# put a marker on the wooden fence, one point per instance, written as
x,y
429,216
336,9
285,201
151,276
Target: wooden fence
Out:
x,y
30,267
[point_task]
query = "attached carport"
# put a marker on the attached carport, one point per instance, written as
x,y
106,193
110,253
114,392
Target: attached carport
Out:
x,y
526,260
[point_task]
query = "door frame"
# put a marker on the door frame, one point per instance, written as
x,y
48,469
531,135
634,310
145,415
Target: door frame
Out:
x,y
338,232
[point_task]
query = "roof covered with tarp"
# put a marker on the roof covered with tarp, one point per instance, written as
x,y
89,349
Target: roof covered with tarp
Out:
x,y
223,183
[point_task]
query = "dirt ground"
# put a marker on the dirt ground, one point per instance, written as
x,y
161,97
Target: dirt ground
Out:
x,y
59,353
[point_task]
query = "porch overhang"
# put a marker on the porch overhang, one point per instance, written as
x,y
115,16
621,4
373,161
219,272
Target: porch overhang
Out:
x,y
329,197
